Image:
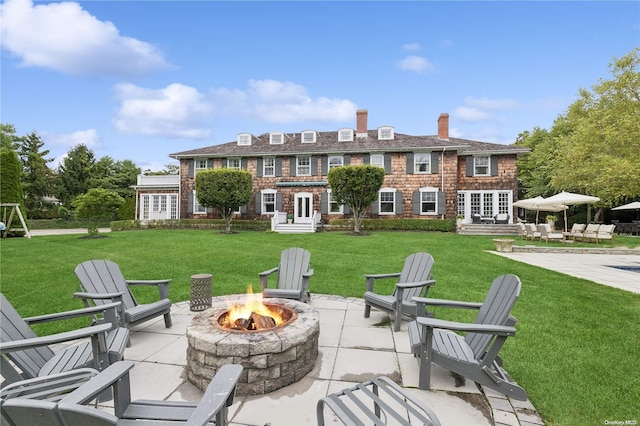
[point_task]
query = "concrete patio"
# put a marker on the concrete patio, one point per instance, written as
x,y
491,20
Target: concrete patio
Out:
x,y
352,349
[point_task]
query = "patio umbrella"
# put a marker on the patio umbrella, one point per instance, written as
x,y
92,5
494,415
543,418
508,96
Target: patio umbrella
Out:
x,y
536,204
631,206
569,199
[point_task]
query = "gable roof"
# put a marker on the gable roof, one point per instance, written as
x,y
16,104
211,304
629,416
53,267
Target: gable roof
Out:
x,y
328,143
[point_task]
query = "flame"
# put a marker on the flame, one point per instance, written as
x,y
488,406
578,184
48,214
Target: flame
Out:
x,y
253,304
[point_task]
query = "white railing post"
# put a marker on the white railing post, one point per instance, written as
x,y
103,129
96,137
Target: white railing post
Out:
x,y
274,220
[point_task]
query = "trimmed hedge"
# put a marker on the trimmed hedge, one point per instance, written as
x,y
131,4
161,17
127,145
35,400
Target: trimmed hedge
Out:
x,y
442,225
253,225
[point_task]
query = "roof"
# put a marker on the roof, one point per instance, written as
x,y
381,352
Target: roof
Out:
x,y
327,143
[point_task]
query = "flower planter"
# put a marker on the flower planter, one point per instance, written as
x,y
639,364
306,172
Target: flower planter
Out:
x,y
504,245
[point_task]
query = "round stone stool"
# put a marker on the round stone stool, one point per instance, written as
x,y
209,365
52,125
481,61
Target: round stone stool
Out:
x,y
201,292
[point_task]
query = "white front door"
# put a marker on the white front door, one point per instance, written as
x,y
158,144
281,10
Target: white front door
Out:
x,y
303,207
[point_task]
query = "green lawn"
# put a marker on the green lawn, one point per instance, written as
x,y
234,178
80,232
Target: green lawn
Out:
x,y
577,348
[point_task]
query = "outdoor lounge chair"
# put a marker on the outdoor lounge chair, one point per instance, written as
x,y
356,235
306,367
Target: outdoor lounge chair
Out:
x,y
293,276
576,231
474,356
501,218
547,234
605,232
102,282
591,232
73,408
24,355
414,280
532,231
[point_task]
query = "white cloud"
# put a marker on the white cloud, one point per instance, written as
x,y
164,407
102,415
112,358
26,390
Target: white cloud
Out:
x,y
411,46
90,138
483,109
281,102
66,38
488,103
465,113
416,64
176,111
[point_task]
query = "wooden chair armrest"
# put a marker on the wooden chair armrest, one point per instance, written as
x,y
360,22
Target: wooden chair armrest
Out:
x,y
416,284
371,278
48,387
308,273
85,295
220,393
110,376
426,301
498,330
18,345
72,314
163,285
264,276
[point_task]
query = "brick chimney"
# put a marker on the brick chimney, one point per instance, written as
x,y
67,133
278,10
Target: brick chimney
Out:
x,y
443,126
361,123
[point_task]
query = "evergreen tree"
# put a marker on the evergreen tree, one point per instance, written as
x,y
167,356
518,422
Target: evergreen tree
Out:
x,y
75,173
37,177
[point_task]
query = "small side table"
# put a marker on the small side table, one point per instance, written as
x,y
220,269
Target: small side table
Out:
x,y
201,291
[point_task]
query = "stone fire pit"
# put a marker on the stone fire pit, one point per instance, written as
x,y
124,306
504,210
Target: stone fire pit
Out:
x,y
271,358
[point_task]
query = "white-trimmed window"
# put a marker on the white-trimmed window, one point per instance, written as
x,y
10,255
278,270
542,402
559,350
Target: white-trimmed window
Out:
x,y
377,160
345,135
276,138
197,208
503,203
268,201
309,136
487,204
303,166
481,166
158,206
335,161
200,164
387,201
244,139
334,207
422,162
385,133
461,203
233,163
428,200
269,166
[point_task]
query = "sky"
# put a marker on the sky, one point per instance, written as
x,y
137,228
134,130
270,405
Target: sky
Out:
x,y
140,80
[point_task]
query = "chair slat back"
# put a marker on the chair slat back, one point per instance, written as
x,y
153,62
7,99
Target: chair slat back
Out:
x,y
417,267
104,276
293,263
74,414
12,328
495,310
32,412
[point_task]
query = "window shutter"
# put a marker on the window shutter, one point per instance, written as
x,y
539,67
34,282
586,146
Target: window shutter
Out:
x,y
399,207
434,161
324,165
346,160
409,163
366,159
259,167
225,164
292,168
209,163
278,166
190,202
375,208
314,165
494,165
324,203
244,209
192,168
346,209
415,202
279,202
244,164
442,202
258,203
387,163
469,165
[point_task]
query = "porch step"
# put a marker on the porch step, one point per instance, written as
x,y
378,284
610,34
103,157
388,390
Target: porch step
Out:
x,y
488,229
294,228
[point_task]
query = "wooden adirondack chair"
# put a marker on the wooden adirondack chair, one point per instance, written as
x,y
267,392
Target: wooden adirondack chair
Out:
x,y
72,409
474,356
293,276
103,282
24,355
414,280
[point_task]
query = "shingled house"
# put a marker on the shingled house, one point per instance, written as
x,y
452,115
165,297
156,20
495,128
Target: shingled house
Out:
x,y
425,176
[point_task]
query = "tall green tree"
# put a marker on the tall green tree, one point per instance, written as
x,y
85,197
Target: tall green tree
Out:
x,y
10,188
118,176
224,190
75,173
8,138
169,169
356,186
97,205
37,177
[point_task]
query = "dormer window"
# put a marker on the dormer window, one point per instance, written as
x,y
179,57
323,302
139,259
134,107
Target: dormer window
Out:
x,y
385,133
309,136
345,135
276,138
244,139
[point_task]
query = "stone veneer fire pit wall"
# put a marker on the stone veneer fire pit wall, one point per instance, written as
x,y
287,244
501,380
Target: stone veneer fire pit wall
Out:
x,y
271,359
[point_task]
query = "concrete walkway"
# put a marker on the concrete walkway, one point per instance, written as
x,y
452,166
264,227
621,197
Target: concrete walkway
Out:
x,y
352,349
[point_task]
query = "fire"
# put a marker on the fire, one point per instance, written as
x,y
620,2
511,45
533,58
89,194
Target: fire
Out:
x,y
253,305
